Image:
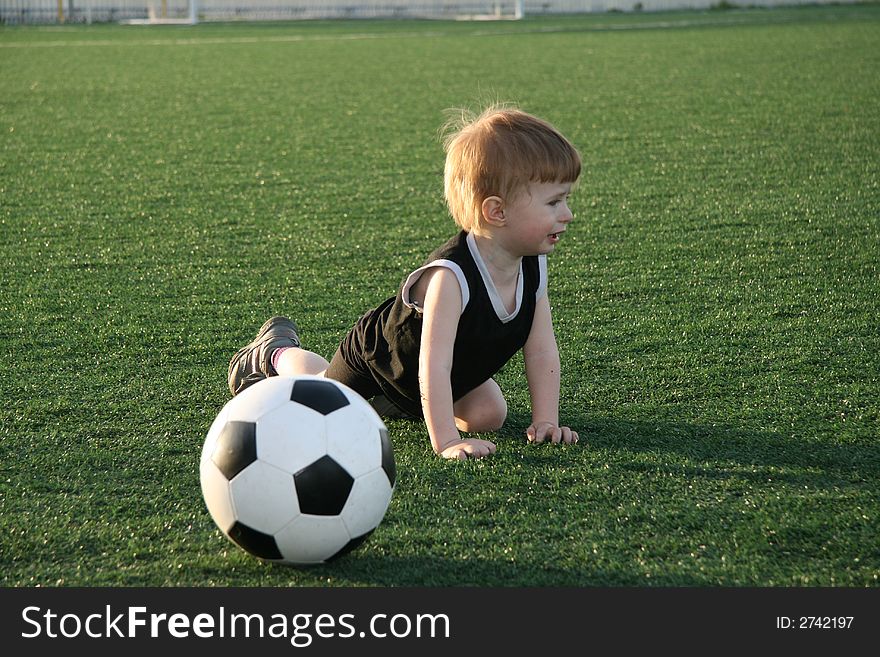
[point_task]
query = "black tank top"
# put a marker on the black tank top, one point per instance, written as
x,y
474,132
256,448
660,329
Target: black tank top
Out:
x,y
386,341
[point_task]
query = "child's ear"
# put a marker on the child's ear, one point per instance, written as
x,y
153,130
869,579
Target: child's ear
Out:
x,y
493,210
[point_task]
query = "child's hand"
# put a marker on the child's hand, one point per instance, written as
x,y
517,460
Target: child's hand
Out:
x,y
541,431
474,448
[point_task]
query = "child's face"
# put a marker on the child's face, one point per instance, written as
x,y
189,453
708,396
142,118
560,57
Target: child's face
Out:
x,y
537,218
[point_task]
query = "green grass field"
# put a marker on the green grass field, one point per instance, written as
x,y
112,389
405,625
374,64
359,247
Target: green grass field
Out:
x,y
164,190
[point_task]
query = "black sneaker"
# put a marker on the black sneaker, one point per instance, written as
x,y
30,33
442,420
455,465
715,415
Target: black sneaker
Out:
x,y
253,362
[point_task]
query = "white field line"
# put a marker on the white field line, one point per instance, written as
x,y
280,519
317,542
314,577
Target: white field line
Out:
x,y
427,34
293,38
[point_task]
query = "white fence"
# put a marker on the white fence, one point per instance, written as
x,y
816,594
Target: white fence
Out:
x,y
87,11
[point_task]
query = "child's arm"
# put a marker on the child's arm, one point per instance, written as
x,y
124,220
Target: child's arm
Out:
x,y
542,371
441,310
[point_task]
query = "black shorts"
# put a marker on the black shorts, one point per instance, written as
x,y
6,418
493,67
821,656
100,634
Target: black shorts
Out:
x,y
363,383
359,381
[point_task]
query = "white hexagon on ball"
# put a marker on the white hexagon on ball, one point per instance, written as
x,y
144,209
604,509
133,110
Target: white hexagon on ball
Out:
x,y
215,491
353,440
312,539
291,437
264,497
260,398
214,430
367,502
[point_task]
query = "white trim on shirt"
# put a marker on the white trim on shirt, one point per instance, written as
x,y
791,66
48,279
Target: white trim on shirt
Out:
x,y
449,264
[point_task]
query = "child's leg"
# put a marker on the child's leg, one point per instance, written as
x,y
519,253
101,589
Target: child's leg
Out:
x,y
295,360
482,409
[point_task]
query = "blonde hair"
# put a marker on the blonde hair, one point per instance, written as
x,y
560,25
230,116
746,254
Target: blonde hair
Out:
x,y
498,153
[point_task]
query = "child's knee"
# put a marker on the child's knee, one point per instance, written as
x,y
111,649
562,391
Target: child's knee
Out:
x,y
497,414
484,417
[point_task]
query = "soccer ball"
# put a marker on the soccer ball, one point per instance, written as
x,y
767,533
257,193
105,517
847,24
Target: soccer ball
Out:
x,y
297,470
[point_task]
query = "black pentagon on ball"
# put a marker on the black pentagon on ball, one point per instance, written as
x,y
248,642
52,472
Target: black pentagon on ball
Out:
x,y
235,448
257,543
323,487
388,457
351,545
321,396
